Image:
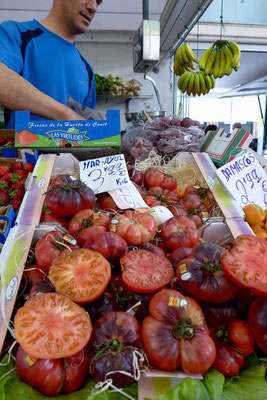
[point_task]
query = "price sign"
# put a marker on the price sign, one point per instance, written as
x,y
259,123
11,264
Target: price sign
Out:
x,y
105,173
245,180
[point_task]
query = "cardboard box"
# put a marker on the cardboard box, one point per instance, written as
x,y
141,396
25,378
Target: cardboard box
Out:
x,y
11,154
62,134
223,147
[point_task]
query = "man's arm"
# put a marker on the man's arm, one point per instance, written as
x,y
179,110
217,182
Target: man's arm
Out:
x,y
18,94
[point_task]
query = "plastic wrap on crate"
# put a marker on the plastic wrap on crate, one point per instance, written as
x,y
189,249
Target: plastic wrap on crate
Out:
x,y
228,205
32,204
12,260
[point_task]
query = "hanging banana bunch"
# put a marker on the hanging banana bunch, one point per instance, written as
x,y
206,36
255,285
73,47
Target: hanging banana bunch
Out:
x,y
195,83
220,59
184,60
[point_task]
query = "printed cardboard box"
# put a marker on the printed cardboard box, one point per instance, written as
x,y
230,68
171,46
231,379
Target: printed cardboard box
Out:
x,y
62,134
223,147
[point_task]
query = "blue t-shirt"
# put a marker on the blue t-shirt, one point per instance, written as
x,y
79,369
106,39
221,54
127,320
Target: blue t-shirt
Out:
x,y
50,63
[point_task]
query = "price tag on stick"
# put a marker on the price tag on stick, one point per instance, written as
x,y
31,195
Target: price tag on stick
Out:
x,y
105,173
245,179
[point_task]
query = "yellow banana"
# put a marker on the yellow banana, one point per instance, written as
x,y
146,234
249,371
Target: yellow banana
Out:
x,y
190,85
222,64
178,56
208,82
237,66
210,62
204,58
229,60
196,85
216,64
202,83
236,52
191,65
185,59
212,82
190,54
177,69
183,81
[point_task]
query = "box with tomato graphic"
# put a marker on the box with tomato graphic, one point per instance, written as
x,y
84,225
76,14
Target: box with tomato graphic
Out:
x,y
67,134
10,153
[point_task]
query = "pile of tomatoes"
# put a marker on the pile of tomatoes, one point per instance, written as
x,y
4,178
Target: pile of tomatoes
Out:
x,y
12,182
115,286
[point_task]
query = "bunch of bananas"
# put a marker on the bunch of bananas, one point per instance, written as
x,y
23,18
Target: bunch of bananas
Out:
x,y
195,83
184,60
220,59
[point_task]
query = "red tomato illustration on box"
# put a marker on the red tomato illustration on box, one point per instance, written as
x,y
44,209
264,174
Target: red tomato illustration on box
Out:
x,y
25,138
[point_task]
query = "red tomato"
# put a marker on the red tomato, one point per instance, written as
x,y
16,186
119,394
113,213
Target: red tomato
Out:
x,y
196,218
50,376
69,197
52,326
179,232
246,263
153,248
28,167
135,227
82,275
48,216
175,334
179,254
156,196
153,177
145,272
109,244
107,203
136,175
114,338
88,233
49,247
33,274
233,343
177,210
218,314
190,201
202,276
86,218
257,319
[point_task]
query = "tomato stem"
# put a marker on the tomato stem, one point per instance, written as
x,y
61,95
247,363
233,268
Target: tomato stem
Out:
x,y
86,222
211,266
222,332
63,376
184,329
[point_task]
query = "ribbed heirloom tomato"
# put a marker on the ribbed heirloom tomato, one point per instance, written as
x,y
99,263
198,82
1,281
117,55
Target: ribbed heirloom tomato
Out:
x,y
257,319
82,275
246,263
179,232
145,272
175,334
66,196
201,274
49,247
86,218
153,177
135,227
109,244
52,326
114,339
53,376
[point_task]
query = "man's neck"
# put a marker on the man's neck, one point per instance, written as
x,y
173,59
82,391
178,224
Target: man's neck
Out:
x,y
57,27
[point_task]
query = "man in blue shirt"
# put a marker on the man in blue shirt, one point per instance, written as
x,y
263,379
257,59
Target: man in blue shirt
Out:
x,y
40,65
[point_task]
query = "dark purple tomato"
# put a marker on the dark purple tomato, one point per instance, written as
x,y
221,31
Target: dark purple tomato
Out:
x,y
201,274
115,337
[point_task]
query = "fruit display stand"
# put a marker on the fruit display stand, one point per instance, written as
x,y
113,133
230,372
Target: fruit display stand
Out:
x,y
28,230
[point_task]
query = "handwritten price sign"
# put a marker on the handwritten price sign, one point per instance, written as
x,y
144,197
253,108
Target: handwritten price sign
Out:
x,y
245,180
105,173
